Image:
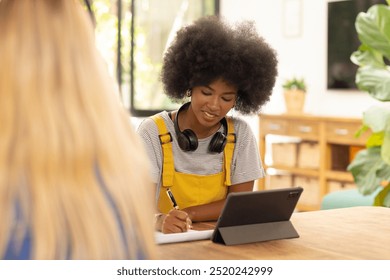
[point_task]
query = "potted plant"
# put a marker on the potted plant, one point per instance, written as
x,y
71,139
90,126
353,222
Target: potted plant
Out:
x,y
294,95
371,166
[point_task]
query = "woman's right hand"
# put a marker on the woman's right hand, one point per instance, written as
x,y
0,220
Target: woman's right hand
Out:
x,y
173,222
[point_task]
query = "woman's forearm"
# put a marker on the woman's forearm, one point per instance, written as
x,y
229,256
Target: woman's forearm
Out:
x,y
211,211
205,212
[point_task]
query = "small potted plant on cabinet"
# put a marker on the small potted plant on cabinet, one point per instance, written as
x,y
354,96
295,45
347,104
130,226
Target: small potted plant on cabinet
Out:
x,y
294,95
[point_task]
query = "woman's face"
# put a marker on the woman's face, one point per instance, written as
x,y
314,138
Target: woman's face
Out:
x,y
211,103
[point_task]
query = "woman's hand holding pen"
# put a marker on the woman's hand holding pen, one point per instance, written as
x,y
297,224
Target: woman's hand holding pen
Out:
x,y
174,222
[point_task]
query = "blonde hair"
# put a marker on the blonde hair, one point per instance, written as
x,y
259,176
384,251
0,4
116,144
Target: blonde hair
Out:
x,y
73,173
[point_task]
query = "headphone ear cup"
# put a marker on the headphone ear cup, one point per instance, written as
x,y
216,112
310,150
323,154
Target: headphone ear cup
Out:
x,y
187,140
217,143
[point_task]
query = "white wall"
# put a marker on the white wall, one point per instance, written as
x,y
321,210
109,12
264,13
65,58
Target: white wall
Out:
x,y
304,55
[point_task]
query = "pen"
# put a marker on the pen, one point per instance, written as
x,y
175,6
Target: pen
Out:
x,y
172,199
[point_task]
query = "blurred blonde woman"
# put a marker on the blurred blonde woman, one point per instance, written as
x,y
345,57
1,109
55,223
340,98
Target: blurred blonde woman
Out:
x,y
73,174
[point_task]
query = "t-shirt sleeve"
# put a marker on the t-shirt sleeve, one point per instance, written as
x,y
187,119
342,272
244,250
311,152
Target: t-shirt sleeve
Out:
x,y
149,134
246,165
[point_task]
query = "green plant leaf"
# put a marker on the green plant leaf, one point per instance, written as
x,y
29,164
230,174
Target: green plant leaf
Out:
x,y
385,153
363,128
375,139
377,118
295,84
369,170
373,28
366,56
383,197
376,81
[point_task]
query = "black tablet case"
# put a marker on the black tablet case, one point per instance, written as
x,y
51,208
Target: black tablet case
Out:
x,y
256,216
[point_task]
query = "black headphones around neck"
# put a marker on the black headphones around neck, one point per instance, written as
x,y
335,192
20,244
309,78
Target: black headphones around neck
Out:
x,y
188,141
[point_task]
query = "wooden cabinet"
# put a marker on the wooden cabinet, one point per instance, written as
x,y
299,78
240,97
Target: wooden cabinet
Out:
x,y
310,151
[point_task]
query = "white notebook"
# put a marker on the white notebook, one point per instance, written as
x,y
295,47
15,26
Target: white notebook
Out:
x,y
190,235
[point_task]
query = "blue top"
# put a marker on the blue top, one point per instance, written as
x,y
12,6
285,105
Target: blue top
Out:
x,y
23,252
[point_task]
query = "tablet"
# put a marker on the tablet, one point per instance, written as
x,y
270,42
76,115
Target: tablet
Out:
x,y
257,216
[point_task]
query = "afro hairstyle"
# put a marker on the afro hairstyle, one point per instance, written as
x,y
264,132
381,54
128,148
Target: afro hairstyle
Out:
x,y
210,49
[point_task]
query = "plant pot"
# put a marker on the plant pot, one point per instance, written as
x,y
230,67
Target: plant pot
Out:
x,y
295,101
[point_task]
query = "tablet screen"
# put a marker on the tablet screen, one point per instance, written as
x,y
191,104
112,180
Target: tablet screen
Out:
x,y
242,208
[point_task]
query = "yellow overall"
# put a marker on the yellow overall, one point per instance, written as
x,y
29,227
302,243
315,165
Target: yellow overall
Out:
x,y
192,189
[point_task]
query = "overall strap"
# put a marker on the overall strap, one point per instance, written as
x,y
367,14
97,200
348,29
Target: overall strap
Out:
x,y
166,144
228,151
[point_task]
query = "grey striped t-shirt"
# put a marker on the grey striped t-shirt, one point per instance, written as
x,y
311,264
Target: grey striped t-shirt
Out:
x,y
246,163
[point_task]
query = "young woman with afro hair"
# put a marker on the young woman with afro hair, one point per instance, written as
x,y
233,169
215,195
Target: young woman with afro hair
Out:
x,y
198,152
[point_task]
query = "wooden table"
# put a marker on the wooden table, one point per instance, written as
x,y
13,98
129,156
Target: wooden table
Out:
x,y
347,233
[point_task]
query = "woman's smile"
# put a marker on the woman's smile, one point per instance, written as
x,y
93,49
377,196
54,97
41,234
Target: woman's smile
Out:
x,y
210,116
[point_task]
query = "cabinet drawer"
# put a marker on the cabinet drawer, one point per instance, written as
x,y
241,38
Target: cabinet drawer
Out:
x,y
304,129
273,126
344,133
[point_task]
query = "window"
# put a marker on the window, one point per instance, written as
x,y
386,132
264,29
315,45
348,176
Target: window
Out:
x,y
154,25
112,18
132,36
